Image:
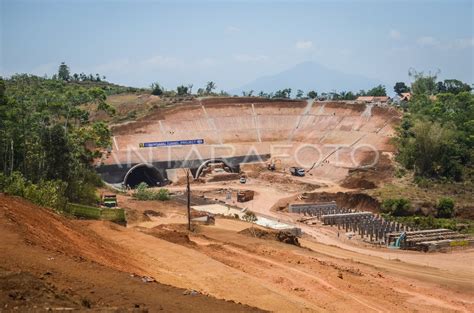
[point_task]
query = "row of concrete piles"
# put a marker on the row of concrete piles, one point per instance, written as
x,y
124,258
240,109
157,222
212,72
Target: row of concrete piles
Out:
x,y
366,224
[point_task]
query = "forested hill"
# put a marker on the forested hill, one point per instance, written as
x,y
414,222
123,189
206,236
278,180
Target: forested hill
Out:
x,y
48,137
44,134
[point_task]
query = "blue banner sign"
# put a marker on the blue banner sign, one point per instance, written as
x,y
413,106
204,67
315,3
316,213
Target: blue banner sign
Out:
x,y
171,143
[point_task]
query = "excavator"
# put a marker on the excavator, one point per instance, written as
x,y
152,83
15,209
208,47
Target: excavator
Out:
x,y
397,243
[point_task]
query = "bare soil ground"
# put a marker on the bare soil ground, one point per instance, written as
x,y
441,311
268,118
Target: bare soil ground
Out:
x,y
424,277
89,263
52,263
370,178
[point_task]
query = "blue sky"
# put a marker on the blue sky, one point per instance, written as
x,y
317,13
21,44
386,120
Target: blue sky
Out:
x,y
233,42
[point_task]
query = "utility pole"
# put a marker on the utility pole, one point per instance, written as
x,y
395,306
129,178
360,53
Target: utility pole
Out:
x,y
188,188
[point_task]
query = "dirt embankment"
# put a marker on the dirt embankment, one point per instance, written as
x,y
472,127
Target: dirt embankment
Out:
x,y
51,263
371,177
353,200
281,236
175,233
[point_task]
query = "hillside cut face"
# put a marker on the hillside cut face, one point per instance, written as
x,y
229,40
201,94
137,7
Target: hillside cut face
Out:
x,y
326,138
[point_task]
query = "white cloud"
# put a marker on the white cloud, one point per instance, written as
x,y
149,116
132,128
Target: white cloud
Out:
x,y
427,41
395,34
232,29
246,58
304,44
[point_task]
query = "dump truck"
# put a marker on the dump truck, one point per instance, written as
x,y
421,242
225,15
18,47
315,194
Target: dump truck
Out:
x,y
109,201
297,171
245,195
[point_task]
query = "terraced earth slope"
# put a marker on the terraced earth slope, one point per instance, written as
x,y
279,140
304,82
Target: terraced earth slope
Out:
x,y
326,138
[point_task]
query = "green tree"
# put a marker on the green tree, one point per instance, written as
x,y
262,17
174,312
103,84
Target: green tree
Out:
x,y
182,90
343,95
445,208
156,89
284,93
210,86
423,84
453,86
400,87
299,94
63,72
440,87
99,97
431,150
58,153
45,135
396,207
312,94
377,91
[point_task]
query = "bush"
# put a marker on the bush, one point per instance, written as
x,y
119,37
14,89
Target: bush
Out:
x,y
445,208
83,188
250,217
163,194
396,207
424,222
50,193
143,193
156,89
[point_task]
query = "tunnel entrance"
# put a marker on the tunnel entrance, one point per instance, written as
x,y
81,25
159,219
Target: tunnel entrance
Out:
x,y
143,173
205,166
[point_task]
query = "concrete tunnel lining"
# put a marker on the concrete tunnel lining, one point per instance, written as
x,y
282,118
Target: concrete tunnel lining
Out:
x,y
143,173
205,163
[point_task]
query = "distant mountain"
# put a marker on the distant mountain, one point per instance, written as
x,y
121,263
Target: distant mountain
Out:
x,y
309,76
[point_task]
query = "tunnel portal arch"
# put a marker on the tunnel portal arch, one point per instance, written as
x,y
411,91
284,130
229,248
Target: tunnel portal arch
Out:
x,y
143,172
205,163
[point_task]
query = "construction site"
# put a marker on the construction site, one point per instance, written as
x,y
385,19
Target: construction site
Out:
x,y
278,149
279,221
236,156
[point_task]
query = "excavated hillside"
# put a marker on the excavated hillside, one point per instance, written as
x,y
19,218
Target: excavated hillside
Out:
x,y
48,262
327,138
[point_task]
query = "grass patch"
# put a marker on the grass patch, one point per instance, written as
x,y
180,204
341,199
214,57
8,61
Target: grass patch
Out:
x,y
142,192
427,194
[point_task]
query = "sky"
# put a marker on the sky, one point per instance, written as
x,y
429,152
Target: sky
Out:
x,y
136,43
